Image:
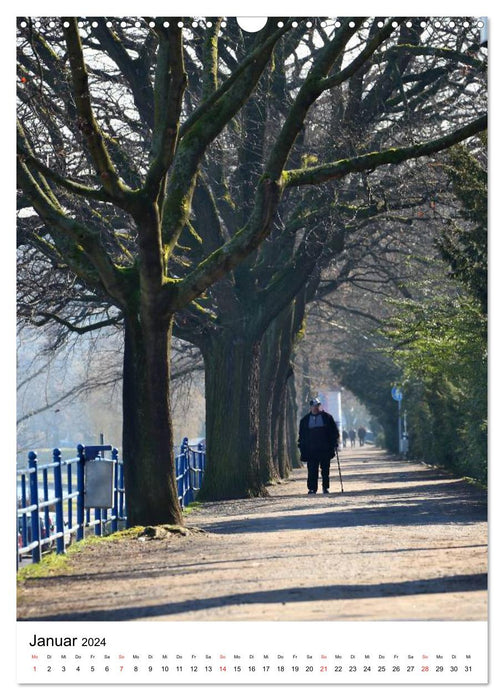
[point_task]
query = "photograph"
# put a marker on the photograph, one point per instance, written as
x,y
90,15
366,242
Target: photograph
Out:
x,y
251,307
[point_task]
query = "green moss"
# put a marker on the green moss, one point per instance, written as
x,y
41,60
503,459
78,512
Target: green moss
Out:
x,y
50,565
194,505
53,564
308,160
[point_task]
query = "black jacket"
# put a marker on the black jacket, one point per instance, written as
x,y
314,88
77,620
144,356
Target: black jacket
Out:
x,y
330,436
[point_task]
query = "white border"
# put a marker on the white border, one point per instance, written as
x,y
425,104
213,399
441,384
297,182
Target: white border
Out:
x,y
257,8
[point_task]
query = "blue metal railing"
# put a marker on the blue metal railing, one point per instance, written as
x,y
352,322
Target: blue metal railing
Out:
x,y
51,500
52,509
189,468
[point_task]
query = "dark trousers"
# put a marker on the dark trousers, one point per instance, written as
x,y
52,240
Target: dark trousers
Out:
x,y
322,460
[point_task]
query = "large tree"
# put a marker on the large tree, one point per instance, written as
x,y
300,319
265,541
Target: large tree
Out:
x,y
117,190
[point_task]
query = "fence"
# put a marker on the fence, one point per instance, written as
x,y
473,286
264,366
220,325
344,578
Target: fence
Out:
x,y
52,498
189,469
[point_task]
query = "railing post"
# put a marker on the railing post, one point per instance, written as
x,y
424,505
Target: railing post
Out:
x,y
180,467
24,519
201,465
45,509
188,496
80,489
115,508
122,498
187,470
69,500
34,501
98,525
58,494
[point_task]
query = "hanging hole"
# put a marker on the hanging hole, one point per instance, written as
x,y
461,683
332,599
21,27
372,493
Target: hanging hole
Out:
x,y
251,24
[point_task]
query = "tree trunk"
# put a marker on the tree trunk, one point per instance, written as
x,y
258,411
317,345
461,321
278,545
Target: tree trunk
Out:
x,y
270,357
284,369
291,424
149,461
284,331
232,418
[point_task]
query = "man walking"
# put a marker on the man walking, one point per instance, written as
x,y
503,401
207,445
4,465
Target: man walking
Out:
x,y
318,441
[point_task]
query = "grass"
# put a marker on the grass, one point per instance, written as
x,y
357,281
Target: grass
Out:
x,y
194,505
53,564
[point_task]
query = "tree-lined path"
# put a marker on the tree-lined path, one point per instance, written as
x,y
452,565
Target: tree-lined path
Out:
x,y
403,541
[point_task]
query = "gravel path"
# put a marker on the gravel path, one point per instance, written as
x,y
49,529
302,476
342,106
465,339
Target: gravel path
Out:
x,y
402,542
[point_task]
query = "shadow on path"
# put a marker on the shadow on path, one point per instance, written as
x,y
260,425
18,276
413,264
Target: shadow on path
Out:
x,y
444,584
419,511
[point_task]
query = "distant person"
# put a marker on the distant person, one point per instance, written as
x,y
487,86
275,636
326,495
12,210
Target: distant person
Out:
x,y
318,442
361,432
344,435
352,435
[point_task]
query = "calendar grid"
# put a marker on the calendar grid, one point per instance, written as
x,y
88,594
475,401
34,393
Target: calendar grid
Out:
x,y
309,653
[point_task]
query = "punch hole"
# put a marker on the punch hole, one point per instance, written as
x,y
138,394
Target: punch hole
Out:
x,y
251,24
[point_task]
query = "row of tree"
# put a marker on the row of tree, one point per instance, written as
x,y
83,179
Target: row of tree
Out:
x,y
432,339
440,339
190,179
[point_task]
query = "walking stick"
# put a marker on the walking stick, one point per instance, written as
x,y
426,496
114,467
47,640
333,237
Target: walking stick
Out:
x,y
339,469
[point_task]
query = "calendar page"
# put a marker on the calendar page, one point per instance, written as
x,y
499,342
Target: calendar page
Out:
x,y
251,320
